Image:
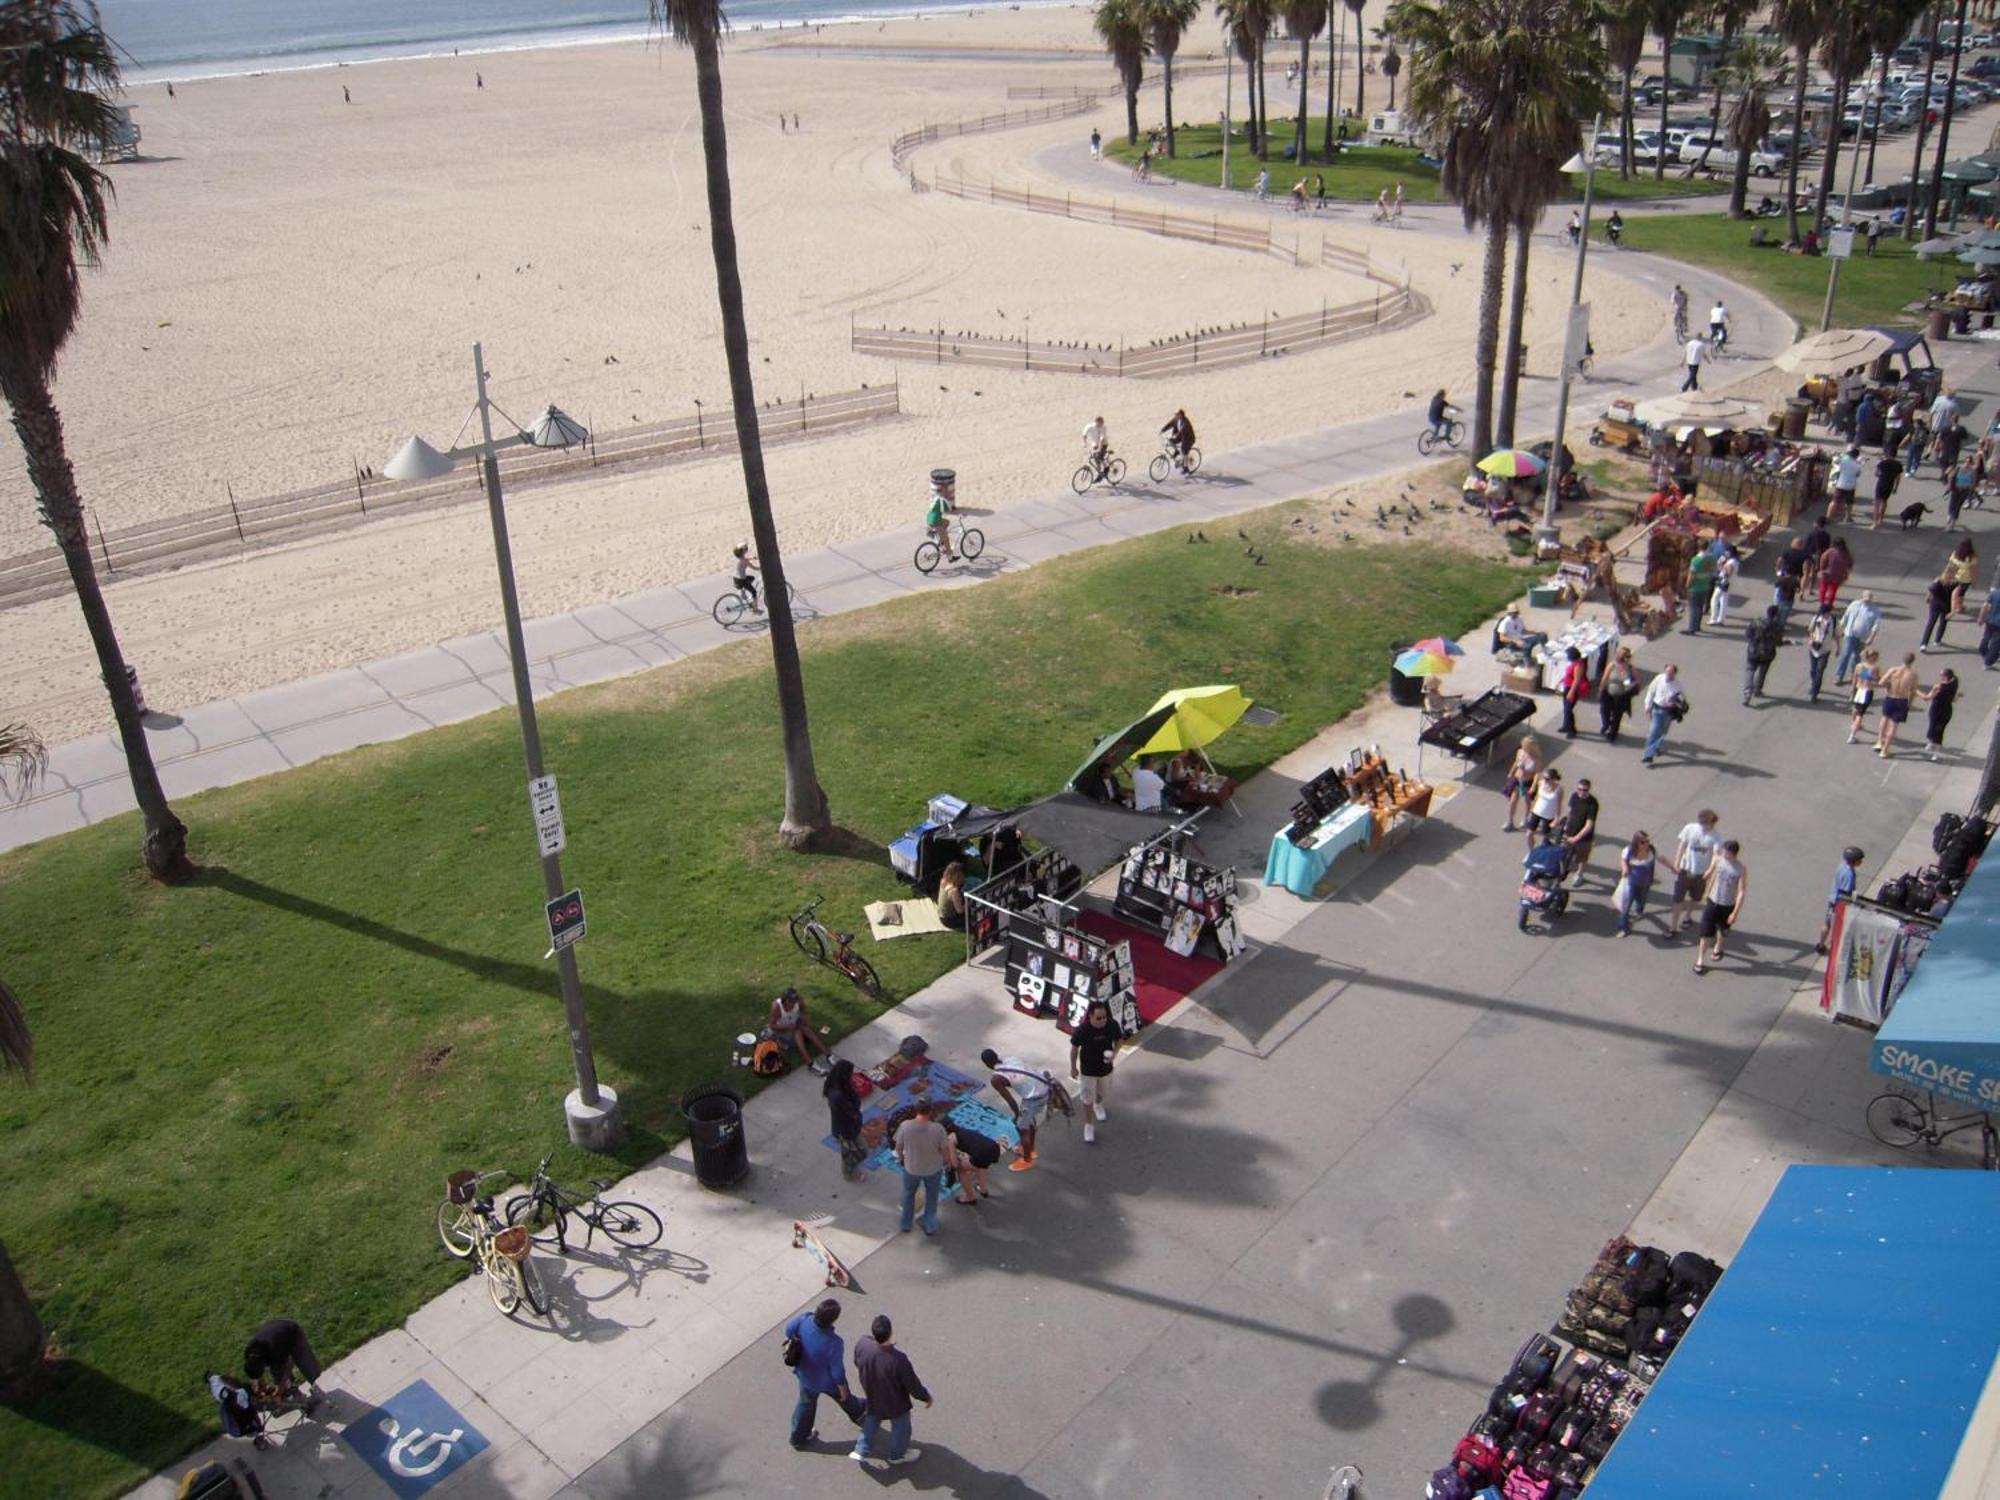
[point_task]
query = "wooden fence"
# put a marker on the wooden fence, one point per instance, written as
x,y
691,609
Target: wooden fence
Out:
x,y
246,524
1206,229
901,148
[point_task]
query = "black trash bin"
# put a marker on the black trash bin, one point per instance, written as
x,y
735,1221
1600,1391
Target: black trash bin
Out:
x,y
1406,692
715,1127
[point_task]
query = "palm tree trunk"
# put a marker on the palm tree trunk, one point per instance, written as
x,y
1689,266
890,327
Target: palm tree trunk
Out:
x,y
1739,186
1517,311
806,815
1625,131
1881,92
1361,72
39,425
1910,214
1802,56
1666,94
1944,127
1828,163
1167,95
22,1337
1335,15
1486,345
1131,112
1263,104
1305,70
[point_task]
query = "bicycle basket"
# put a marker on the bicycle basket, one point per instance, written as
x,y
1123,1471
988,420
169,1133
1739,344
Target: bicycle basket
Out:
x,y
462,1187
512,1243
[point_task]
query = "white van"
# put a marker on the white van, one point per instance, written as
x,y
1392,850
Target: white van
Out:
x,y
1390,128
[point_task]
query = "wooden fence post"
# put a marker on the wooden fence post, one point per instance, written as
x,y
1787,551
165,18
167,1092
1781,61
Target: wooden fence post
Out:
x,y
1264,340
233,511
802,406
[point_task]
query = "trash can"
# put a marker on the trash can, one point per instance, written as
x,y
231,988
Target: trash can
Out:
x,y
944,484
1796,410
1940,323
1405,692
715,1127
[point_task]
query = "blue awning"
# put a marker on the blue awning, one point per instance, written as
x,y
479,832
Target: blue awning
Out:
x,y
1908,342
1842,1354
1944,1034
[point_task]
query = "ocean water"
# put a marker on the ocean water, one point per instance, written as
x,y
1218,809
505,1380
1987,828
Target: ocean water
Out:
x,y
204,38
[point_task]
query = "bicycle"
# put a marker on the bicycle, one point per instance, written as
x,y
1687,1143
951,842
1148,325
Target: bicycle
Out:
x,y
1166,463
815,940
1449,434
1901,1121
471,1231
1111,472
967,543
547,1205
1681,326
735,604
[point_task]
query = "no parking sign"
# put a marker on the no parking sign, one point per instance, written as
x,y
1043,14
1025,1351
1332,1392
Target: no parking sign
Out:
x,y
414,1440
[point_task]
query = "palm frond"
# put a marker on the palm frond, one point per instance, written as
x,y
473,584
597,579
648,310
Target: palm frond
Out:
x,y
23,760
17,1047
689,22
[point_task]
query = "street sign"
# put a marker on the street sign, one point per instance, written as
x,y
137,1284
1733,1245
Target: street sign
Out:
x,y
1576,338
547,807
414,1440
565,920
1840,244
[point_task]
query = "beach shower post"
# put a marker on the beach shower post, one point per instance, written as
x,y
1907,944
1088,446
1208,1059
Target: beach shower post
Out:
x,y
591,1110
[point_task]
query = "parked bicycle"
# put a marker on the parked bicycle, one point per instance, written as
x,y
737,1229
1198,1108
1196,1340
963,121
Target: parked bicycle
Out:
x,y
834,949
1447,434
545,1209
967,542
1164,464
737,603
1111,472
1901,1121
472,1231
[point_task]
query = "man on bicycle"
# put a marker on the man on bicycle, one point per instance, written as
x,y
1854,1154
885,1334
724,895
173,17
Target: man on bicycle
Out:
x,y
1097,445
937,521
1179,436
1440,414
1718,324
1678,302
745,584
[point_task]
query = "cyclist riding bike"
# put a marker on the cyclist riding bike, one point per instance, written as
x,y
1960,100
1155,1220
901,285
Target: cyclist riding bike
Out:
x,y
1718,324
1439,415
937,521
1179,436
1097,445
1614,227
1678,302
746,585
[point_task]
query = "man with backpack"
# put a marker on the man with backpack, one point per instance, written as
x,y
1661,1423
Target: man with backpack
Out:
x,y
1761,639
818,1357
1027,1092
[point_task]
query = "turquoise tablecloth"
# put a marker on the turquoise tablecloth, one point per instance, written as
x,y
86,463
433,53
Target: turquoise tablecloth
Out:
x,y
1298,869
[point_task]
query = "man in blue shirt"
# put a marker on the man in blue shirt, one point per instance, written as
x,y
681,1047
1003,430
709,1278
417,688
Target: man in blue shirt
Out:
x,y
821,1370
1845,879
1989,633
1857,629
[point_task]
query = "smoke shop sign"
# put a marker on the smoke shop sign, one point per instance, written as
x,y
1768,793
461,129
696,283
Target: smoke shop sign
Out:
x,y
1938,1075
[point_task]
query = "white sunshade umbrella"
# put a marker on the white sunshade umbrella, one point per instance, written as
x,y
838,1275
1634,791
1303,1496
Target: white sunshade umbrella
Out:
x,y
1835,349
1695,409
1926,249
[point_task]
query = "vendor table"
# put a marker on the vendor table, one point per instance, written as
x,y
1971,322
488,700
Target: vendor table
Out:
x,y
1472,730
1592,637
1211,790
1300,868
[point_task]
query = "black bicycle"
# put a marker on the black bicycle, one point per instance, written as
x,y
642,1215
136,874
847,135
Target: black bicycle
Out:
x,y
544,1211
1896,1119
1449,434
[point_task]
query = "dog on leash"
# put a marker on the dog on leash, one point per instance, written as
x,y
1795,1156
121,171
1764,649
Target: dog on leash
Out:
x,y
1912,515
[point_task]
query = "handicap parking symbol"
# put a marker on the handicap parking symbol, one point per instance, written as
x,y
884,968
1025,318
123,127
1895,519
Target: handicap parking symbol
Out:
x,y
414,1440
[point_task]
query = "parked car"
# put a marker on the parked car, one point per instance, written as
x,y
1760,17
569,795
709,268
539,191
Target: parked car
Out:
x,y
1721,155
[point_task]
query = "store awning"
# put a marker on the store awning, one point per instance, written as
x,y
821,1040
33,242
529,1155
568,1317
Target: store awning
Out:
x,y
1944,1034
1908,343
1972,169
1844,1352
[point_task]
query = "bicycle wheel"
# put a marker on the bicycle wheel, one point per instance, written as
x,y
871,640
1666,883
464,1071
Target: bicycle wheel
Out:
x,y
1157,470
811,944
728,610
863,974
503,1282
1193,460
1426,441
1083,479
454,1226
1895,1120
971,542
541,1217
1455,433
1115,471
632,1225
928,556
532,1290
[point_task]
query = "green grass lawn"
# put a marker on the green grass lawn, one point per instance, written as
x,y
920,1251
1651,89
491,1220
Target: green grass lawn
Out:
x,y
251,1088
1360,172
1872,289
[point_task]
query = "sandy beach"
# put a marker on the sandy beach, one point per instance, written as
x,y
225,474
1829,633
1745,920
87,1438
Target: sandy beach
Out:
x,y
295,282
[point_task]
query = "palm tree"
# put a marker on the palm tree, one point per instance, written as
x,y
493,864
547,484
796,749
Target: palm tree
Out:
x,y
1665,17
1944,128
22,1336
1121,26
697,25
1911,217
1844,54
1360,62
1729,17
1336,28
1886,26
1624,45
1392,64
56,69
1752,73
1166,22
1799,22
1303,18
1249,22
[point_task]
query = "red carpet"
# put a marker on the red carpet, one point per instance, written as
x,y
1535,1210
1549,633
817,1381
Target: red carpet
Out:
x,y
1160,977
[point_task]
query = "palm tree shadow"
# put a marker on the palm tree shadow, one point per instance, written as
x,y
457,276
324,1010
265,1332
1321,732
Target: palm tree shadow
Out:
x,y
88,1406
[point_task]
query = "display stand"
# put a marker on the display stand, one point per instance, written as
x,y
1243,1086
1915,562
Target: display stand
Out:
x,y
991,907
1055,970
1391,796
1191,903
1471,730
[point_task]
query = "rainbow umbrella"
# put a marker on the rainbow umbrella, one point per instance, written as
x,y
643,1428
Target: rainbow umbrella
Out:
x,y
1511,463
1431,658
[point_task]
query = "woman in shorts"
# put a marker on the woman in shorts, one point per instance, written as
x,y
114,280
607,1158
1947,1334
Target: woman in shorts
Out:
x,y
1521,774
973,1155
1865,673
1544,804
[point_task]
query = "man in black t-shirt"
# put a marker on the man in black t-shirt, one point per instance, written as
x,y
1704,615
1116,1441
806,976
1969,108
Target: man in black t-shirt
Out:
x,y
278,1358
1092,1046
1579,830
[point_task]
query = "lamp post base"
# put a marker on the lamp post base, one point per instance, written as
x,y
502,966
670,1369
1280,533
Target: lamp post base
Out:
x,y
600,1128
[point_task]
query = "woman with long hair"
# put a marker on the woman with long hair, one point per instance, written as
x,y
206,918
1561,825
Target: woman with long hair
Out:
x,y
843,1108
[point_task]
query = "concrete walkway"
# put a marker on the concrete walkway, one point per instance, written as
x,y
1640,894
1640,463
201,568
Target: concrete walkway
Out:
x,y
219,744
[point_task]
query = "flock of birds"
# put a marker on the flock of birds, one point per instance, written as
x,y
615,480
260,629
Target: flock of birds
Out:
x,y
1406,511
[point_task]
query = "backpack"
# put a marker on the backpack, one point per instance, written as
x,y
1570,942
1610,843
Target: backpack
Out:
x,y
768,1060
1478,1457
235,1408
209,1482
1693,1276
1539,1415
1448,1484
1646,1277
1537,1357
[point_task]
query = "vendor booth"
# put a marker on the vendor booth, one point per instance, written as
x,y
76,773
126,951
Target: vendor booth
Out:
x,y
1943,1036
1848,1351
1344,807
1471,730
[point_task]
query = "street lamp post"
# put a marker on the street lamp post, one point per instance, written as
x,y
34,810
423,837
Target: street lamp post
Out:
x,y
1228,78
1871,104
1547,536
591,1109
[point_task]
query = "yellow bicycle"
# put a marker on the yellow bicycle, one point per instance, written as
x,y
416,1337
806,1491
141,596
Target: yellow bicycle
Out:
x,y
471,1230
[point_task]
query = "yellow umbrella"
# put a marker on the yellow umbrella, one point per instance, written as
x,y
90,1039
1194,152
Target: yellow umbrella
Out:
x,y
1200,714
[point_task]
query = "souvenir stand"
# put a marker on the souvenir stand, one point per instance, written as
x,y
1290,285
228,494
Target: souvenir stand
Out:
x,y
1056,970
1191,903
1342,809
1471,730
1039,885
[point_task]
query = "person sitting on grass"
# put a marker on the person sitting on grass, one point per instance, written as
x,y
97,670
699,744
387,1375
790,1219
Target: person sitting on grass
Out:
x,y
791,1027
951,896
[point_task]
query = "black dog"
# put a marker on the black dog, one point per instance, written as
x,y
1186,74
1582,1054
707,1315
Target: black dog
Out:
x,y
1912,515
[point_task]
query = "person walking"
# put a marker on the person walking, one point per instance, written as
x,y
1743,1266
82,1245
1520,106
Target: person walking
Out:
x,y
1989,627
1727,564
1961,569
1695,355
1888,473
818,1357
1025,1091
1791,572
921,1149
890,1383
1858,624
1521,774
1961,482
1761,639
1721,904
1579,831
1693,856
1665,703
1914,446
1899,686
1846,877
1941,695
1846,479
1819,650
1700,583
1096,144
1575,688
1614,694
1544,804
1864,692
1937,602
843,1109
1836,566
1093,1047
1636,864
